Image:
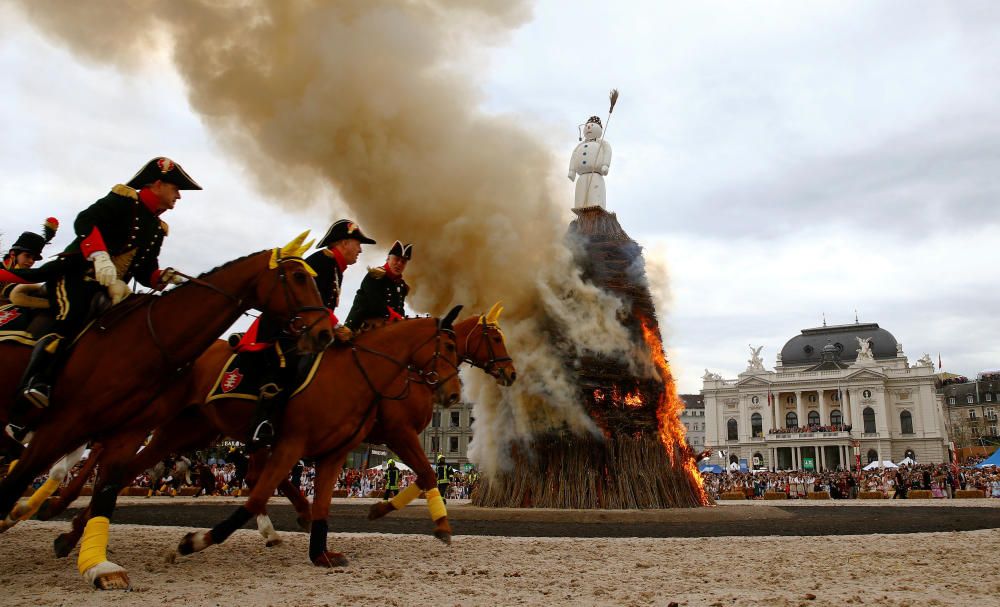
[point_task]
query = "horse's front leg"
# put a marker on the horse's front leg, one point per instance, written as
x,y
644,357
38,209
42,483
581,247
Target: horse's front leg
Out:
x,y
327,471
276,468
405,443
25,509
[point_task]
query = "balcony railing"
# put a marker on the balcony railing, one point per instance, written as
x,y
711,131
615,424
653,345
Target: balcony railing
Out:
x,y
869,435
807,435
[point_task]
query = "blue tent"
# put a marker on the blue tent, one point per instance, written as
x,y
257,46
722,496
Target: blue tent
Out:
x,y
710,468
993,460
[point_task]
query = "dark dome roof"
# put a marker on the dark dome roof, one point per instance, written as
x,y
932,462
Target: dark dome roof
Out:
x,y
805,349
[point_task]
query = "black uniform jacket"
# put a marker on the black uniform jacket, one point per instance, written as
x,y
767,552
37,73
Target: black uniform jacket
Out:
x,y
132,233
328,276
377,294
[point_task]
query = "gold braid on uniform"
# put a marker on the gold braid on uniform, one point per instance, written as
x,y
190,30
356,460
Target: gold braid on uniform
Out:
x,y
124,190
377,272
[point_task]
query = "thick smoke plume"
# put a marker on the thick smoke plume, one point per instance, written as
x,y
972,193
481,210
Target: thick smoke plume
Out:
x,y
377,101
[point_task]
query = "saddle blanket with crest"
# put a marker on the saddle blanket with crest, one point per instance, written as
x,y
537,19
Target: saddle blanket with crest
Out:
x,y
243,375
14,322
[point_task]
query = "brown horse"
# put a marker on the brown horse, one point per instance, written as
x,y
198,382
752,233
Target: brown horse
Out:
x,y
127,358
480,343
336,411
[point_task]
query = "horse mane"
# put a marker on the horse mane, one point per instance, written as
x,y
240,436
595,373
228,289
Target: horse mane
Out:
x,y
390,327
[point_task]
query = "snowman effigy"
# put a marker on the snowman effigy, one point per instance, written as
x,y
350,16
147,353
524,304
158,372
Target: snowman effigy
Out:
x,y
590,161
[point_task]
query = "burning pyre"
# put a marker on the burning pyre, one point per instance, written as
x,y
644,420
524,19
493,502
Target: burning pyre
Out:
x,y
639,458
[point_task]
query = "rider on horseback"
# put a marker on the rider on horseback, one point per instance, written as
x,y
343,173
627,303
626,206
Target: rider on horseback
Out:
x,y
23,254
383,292
340,247
118,239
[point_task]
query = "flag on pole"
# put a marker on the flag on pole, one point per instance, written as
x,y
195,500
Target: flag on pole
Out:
x,y
939,360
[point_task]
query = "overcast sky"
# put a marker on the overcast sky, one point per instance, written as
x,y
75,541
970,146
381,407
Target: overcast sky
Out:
x,y
785,160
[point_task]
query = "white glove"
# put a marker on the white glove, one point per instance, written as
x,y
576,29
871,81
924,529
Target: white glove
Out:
x,y
169,276
118,291
104,269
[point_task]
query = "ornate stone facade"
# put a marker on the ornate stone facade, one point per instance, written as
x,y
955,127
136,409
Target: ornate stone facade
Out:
x,y
826,403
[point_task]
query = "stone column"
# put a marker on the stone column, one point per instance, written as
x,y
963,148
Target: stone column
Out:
x,y
883,412
800,408
823,419
845,411
775,408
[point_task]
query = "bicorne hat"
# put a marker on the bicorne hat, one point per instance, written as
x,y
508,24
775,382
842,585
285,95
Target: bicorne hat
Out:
x,y
343,230
163,169
399,249
30,242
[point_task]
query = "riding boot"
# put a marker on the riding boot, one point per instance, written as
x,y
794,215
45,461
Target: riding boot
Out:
x,y
262,430
36,384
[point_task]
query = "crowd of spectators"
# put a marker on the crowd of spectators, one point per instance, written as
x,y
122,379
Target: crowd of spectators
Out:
x,y
225,475
812,428
940,479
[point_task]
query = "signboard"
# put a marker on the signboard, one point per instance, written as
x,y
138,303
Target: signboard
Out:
x,y
758,462
808,463
743,465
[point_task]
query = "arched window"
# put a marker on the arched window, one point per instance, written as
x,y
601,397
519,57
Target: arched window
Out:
x,y
906,422
836,417
732,430
872,456
757,424
791,420
869,416
910,454
951,400
734,459
866,394
813,418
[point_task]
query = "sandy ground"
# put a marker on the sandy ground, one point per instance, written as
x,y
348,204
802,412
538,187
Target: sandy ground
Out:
x,y
917,569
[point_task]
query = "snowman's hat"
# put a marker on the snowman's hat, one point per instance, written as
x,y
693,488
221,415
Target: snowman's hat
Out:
x,y
595,119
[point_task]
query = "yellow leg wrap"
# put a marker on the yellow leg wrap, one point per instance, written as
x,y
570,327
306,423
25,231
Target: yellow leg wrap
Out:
x,y
436,505
39,496
93,547
10,468
405,496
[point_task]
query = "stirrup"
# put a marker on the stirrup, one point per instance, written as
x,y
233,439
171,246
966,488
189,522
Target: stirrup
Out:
x,y
264,433
16,432
37,395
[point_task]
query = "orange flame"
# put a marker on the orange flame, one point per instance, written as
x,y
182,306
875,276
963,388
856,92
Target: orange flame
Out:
x,y
672,433
633,399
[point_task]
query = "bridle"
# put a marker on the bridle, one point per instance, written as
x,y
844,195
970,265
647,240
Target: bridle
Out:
x,y
281,278
424,375
490,366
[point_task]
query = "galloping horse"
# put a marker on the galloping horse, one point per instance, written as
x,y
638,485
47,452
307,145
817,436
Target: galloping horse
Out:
x,y
336,411
127,358
398,425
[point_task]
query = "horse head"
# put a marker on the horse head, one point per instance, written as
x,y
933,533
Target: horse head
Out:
x,y
288,292
481,344
442,365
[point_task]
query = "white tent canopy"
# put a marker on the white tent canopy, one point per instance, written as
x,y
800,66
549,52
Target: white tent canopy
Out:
x,y
883,464
908,462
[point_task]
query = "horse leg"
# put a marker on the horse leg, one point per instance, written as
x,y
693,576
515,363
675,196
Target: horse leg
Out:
x,y
93,562
327,471
41,453
57,474
56,506
276,468
174,437
406,444
266,528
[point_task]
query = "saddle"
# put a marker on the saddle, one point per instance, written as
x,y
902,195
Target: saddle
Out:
x,y
244,373
24,325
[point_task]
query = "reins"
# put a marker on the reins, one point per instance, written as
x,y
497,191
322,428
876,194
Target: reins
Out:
x,y
291,301
430,378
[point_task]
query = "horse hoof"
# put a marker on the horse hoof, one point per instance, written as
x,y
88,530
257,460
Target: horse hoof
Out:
x,y
108,576
305,524
444,536
273,543
330,560
379,509
186,546
63,545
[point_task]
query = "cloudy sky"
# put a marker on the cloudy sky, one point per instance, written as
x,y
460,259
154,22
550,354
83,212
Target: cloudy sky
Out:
x,y
780,161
